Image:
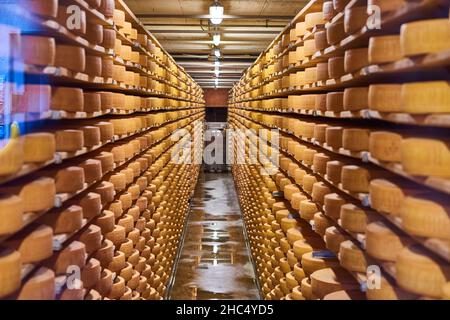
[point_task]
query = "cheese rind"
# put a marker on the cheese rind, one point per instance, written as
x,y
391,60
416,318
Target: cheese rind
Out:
x,y
10,267
382,243
384,49
425,97
426,36
11,214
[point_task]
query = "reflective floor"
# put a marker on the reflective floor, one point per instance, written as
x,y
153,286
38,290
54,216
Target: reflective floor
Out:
x,y
215,262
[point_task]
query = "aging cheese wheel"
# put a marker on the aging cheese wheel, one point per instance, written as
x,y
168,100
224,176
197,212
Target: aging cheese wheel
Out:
x,y
355,19
117,288
333,137
69,140
425,218
109,38
385,146
426,157
10,268
383,243
94,33
335,32
334,170
91,273
418,272
326,281
314,19
319,191
322,71
39,147
92,238
386,197
426,36
333,239
106,253
38,195
328,10
106,192
42,8
356,98
107,161
320,136
92,170
332,205
311,262
384,49
385,97
107,68
387,291
306,290
73,255
67,221
103,286
118,262
117,236
37,50
35,246
107,8
70,57
307,210
353,218
355,139
91,204
426,97
91,136
119,18
352,258
355,179
41,286
11,214
321,223
67,99
93,66
69,180
320,37
106,131
356,59
335,101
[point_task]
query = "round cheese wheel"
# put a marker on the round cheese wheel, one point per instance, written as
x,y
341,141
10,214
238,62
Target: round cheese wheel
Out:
x,y
321,102
66,221
119,181
332,205
385,146
319,191
118,262
67,99
92,238
91,136
386,197
386,291
37,50
322,71
426,36
94,34
320,136
356,98
313,19
326,281
117,288
10,268
307,210
355,18
334,170
321,223
335,101
69,140
93,295
307,290
69,180
355,179
425,97
385,97
356,59
93,67
107,68
35,246
353,218
105,254
383,243
320,37
106,131
106,192
70,57
11,214
38,195
107,161
328,10
308,182
73,255
310,263
91,204
107,8
39,147
355,139
335,32
334,137
92,170
425,218
351,257
41,286
91,273
384,49
418,272
333,239
104,285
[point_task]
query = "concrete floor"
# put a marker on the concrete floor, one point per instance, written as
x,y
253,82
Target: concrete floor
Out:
x,y
215,261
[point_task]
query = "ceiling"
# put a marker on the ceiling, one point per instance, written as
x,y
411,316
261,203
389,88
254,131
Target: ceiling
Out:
x,y
184,30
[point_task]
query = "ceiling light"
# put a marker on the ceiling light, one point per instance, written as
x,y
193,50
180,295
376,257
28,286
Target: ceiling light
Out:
x,y
217,53
217,63
216,82
216,39
217,72
216,12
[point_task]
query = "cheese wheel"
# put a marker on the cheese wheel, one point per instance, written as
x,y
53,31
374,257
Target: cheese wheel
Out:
x,y
118,262
73,255
426,36
37,50
383,243
107,8
328,10
67,99
311,262
69,180
92,102
93,295
335,32
426,97
355,18
386,197
353,218
106,192
119,18
93,66
425,218
326,281
320,38
418,272
351,257
106,131
91,136
356,59
11,214
321,223
320,136
307,290
41,286
91,204
385,146
355,179
105,254
69,140
66,221
334,170
333,239
332,205
92,170
313,19
91,273
107,161
384,49
333,137
109,38
386,291
39,147
433,162
70,57
307,210
117,236
345,295
10,268
339,5
94,33
335,101
38,195
322,71
107,68
42,8
117,288
356,99
319,191
355,139
92,238
103,286
385,97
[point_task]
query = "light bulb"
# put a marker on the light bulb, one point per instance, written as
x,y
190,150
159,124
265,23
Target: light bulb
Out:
x,y
216,39
217,53
216,12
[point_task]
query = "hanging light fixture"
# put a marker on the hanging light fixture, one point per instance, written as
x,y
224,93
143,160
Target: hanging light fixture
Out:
x,y
216,40
216,12
217,52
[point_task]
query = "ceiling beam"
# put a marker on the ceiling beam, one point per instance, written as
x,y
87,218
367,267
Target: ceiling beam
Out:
x,y
207,16
270,32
